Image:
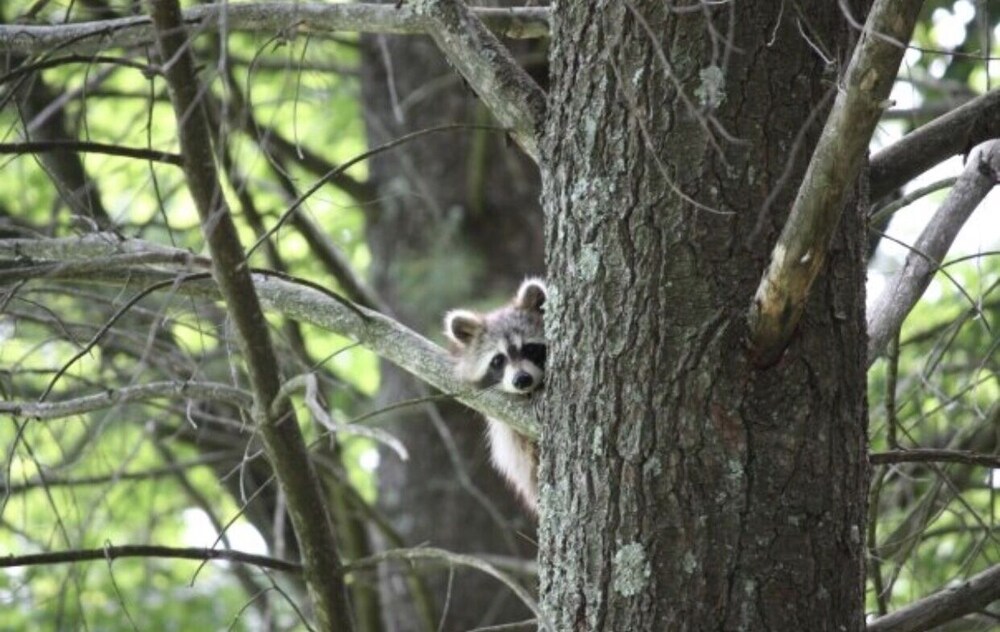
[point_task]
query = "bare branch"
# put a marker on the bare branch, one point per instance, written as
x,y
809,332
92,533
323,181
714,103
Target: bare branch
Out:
x,y
128,395
40,147
928,455
510,93
946,605
265,17
904,290
295,299
958,131
146,550
798,256
279,430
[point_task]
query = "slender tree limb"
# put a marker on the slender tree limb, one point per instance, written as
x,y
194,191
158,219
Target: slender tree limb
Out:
x,y
929,455
265,17
504,86
128,395
92,258
798,256
39,147
882,215
145,550
949,604
956,132
54,62
279,429
111,552
903,291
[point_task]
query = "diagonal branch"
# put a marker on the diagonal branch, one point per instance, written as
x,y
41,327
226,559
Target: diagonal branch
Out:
x,y
264,17
510,93
905,288
279,430
946,605
292,298
953,133
798,256
112,397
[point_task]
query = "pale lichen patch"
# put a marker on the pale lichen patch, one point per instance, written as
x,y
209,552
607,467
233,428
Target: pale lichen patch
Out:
x,y
630,570
711,92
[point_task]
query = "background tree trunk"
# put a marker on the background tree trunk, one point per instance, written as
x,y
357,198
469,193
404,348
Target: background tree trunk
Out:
x,y
457,222
686,489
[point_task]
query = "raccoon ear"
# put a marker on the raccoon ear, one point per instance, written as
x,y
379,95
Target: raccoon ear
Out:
x,y
531,295
461,326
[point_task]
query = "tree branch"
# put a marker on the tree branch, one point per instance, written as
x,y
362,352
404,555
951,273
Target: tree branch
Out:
x,y
99,258
266,17
798,256
946,605
903,291
279,429
127,395
146,550
40,147
956,132
510,93
930,455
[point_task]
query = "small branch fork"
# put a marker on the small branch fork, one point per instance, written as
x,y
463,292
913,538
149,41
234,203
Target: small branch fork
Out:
x,y
510,93
798,256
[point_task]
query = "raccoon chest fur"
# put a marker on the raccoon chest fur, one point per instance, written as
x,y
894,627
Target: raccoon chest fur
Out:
x,y
505,349
513,455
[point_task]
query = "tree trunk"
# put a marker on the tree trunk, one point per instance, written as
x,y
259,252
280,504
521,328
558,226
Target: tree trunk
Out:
x,y
683,487
458,221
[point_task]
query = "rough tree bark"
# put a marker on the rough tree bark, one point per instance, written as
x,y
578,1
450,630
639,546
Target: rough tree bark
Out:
x,y
457,221
685,489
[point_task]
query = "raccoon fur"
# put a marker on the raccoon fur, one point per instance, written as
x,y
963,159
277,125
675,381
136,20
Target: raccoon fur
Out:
x,y
505,349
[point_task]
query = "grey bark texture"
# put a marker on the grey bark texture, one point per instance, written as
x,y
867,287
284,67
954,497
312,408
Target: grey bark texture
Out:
x,y
684,489
457,223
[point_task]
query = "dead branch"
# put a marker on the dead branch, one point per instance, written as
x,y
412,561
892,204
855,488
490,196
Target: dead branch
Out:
x,y
112,397
40,147
905,288
946,605
98,258
144,550
265,17
798,256
956,132
930,455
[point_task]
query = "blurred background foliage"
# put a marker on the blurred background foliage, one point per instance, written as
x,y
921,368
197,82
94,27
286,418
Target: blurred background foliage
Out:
x,y
170,472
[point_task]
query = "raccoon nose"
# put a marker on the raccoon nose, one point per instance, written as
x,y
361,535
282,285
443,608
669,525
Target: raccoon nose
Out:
x,y
523,380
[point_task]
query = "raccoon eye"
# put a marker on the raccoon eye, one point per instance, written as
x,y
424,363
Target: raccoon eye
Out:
x,y
498,361
535,353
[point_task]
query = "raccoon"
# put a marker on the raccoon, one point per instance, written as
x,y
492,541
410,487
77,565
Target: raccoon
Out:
x,y
505,349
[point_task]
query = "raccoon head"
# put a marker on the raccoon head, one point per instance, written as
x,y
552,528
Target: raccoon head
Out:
x,y
504,348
